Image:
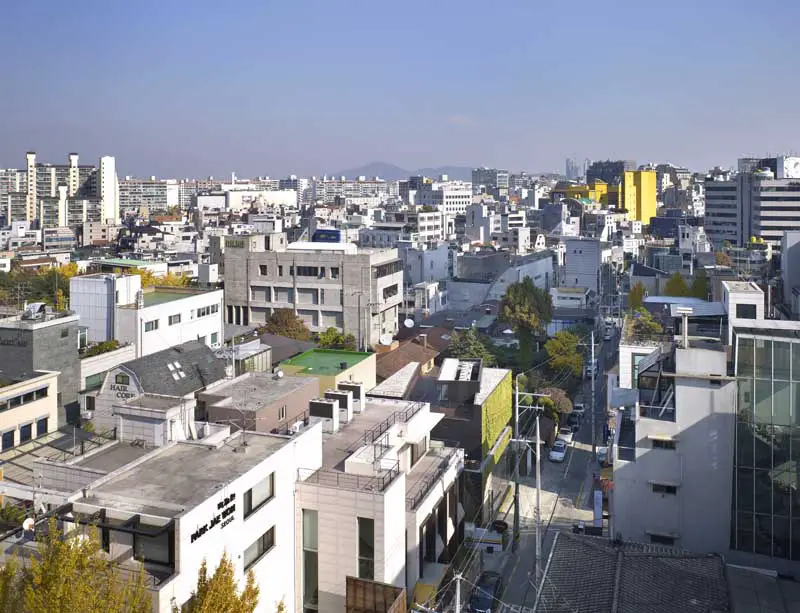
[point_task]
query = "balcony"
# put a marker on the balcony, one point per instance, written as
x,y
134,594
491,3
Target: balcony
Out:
x,y
349,481
658,403
626,447
429,471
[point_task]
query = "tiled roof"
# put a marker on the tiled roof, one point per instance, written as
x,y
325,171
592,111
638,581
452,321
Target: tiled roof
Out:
x,y
390,362
592,575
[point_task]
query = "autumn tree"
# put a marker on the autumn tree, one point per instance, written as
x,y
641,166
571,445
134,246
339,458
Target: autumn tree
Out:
x,y
636,296
528,309
71,573
644,326
722,259
701,286
564,354
219,593
285,322
676,286
559,398
470,344
334,339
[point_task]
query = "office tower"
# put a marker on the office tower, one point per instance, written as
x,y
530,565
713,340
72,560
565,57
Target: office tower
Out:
x,y
609,171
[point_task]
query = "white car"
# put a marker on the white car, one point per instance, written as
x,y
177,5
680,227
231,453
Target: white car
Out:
x,y
559,451
565,434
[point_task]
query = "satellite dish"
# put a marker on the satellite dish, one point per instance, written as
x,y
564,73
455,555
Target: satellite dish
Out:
x,y
385,340
408,323
28,524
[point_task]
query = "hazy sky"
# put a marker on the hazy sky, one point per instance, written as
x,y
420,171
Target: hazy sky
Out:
x,y
190,88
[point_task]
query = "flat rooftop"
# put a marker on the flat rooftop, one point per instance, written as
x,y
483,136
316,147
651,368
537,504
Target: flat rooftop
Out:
x,y
258,389
113,457
326,361
187,474
490,379
160,295
154,402
122,262
743,286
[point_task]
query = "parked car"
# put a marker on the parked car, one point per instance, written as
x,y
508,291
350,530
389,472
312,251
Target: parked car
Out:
x,y
487,593
574,422
565,434
559,451
590,370
602,455
577,406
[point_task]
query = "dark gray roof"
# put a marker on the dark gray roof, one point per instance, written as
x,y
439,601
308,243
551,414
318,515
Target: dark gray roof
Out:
x,y
588,574
640,270
196,360
284,348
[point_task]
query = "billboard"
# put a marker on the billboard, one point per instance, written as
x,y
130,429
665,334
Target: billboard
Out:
x,y
327,235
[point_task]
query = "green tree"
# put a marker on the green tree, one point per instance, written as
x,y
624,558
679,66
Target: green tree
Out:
x,y
559,398
71,574
564,354
676,286
636,296
286,323
470,344
701,286
528,309
645,327
219,593
334,339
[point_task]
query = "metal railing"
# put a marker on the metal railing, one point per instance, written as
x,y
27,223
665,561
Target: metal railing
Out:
x,y
377,431
657,412
448,456
341,480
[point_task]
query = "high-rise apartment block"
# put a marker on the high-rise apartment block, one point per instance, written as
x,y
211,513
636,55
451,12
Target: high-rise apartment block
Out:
x,y
490,180
609,171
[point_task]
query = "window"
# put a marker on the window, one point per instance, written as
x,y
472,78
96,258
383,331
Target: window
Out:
x,y
155,549
280,271
259,495
41,426
214,337
25,433
8,440
149,326
174,319
259,548
663,444
263,270
282,413
209,310
122,379
93,382
366,548
746,311
660,539
307,271
310,560
334,272
64,332
660,488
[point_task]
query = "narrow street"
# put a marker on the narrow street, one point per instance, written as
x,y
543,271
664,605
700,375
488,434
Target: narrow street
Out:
x,y
565,498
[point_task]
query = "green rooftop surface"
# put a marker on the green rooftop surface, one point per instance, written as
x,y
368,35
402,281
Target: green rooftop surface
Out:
x,y
326,361
124,262
162,296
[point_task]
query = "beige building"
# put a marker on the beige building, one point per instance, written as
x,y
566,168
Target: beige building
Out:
x,y
332,368
28,408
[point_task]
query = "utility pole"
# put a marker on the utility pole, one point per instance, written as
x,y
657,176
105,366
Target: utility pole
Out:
x,y
594,377
458,593
515,539
538,503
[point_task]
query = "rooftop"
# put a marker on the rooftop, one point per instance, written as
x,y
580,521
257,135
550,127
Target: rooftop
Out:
x,y
122,262
742,286
163,478
254,390
397,385
110,458
160,295
326,362
490,379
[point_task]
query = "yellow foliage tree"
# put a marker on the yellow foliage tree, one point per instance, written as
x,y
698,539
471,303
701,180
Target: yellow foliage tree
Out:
x,y
168,280
220,591
71,574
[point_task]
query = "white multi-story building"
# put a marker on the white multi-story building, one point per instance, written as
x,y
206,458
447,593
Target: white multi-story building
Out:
x,y
326,189
582,258
153,194
449,197
116,307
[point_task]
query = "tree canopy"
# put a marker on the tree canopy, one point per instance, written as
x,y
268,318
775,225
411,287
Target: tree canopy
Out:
x,y
334,339
285,322
644,326
636,296
528,309
701,285
564,354
168,280
722,259
676,286
71,574
559,398
219,593
470,344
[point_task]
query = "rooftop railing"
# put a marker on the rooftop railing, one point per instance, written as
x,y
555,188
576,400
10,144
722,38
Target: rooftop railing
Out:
x,y
348,481
448,456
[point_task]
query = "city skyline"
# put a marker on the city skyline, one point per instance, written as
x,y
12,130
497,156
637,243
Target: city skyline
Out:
x,y
309,90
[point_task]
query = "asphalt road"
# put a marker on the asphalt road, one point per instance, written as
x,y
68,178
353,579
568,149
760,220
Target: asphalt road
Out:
x,y
565,490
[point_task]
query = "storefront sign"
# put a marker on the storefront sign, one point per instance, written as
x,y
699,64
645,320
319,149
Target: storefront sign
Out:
x,y
122,391
226,508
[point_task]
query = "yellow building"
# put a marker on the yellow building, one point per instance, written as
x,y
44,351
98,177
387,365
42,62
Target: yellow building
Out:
x,y
596,190
636,194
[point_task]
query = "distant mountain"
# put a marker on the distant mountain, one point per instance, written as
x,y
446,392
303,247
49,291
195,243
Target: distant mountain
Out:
x,y
391,172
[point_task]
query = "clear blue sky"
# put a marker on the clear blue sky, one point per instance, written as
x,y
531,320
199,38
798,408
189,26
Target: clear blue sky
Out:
x,y
185,88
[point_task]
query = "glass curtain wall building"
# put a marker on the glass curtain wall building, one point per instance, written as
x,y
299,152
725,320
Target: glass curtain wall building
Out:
x,y
766,504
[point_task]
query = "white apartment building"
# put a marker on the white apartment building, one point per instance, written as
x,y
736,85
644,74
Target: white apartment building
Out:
x,y
326,189
744,302
582,258
204,498
115,306
153,194
327,284
449,197
384,505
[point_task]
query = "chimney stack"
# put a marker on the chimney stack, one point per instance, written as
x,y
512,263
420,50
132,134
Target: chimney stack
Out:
x,y
424,339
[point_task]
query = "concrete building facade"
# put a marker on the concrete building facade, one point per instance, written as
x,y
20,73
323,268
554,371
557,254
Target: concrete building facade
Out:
x,y
28,409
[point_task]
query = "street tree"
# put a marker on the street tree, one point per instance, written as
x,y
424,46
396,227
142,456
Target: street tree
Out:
x,y
470,344
559,398
564,354
676,286
528,309
70,573
636,296
722,259
285,322
701,285
219,592
334,339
